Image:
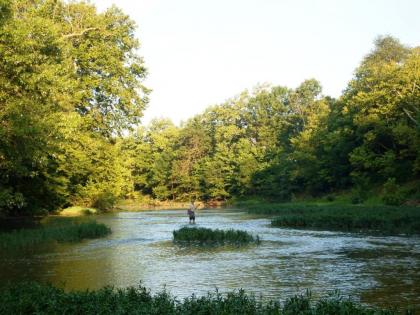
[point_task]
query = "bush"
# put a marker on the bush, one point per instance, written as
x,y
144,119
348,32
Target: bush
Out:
x,y
360,189
356,200
330,198
105,201
393,195
87,211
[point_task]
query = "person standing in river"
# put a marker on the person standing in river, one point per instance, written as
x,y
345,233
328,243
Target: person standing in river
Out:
x,y
191,212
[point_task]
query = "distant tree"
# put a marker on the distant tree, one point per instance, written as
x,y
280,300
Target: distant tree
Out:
x,y
154,151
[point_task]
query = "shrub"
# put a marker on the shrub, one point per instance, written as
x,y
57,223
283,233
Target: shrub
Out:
x,y
105,201
361,189
9,201
330,198
393,195
87,211
356,200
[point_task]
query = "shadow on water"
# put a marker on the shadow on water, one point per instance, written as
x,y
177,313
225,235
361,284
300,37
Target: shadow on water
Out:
x,y
16,223
395,267
381,271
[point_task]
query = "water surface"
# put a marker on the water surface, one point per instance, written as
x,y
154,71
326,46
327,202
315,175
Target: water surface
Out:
x,y
380,271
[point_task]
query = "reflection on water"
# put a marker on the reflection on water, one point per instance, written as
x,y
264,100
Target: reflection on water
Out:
x,y
382,271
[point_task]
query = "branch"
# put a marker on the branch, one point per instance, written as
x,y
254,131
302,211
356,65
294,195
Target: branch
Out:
x,y
411,117
414,86
81,33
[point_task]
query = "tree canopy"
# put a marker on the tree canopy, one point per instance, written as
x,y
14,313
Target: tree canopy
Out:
x,y
275,141
70,82
72,96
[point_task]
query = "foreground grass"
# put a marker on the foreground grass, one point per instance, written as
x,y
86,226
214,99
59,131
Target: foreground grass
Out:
x,y
376,219
33,298
213,237
54,229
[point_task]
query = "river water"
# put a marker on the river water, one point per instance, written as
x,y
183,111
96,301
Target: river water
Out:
x,y
379,271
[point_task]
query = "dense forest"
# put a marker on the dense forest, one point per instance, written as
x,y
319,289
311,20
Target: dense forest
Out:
x,y
72,96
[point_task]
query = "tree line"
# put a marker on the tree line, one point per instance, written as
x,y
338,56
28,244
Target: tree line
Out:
x,y
72,95
276,142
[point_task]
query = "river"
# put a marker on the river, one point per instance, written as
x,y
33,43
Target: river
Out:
x,y
379,271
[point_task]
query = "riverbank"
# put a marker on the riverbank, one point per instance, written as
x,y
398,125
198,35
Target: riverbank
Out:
x,y
34,298
388,220
152,204
77,211
141,204
53,229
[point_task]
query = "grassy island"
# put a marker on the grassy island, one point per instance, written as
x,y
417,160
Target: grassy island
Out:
x,y
54,230
389,220
34,298
207,236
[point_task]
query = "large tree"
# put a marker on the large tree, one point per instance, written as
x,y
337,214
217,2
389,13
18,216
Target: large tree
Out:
x,y
382,103
59,59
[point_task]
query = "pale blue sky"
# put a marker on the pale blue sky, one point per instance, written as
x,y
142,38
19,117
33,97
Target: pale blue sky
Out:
x,y
200,53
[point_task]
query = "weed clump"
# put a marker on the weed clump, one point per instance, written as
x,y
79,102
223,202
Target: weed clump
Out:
x,y
381,219
59,230
34,298
213,237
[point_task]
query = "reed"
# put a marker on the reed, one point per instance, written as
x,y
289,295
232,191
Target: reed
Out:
x,y
205,236
34,298
54,230
379,219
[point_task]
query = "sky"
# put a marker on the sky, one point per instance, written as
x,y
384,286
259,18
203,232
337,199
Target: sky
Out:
x,y
202,52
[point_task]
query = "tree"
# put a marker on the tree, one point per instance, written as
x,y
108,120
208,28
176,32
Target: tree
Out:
x,y
107,70
382,102
154,151
61,59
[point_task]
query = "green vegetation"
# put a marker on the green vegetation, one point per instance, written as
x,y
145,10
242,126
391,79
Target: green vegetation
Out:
x,y
343,217
56,229
71,102
153,204
71,83
276,142
77,211
204,236
33,298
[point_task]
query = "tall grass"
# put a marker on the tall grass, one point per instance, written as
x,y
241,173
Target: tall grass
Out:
x,y
33,298
213,237
375,219
59,230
